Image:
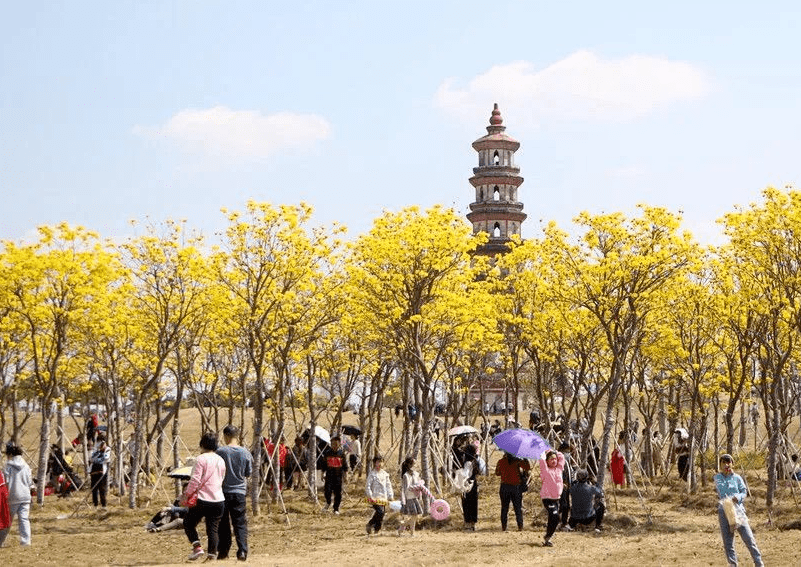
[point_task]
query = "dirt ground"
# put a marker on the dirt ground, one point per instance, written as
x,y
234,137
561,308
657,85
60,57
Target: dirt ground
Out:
x,y
683,531
656,525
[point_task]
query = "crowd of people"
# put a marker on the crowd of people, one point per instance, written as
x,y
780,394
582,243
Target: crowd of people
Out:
x,y
218,484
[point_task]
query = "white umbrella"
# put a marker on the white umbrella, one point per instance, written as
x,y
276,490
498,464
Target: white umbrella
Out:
x,y
462,429
322,434
181,472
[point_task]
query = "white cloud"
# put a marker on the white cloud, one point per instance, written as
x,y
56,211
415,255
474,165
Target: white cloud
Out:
x,y
238,134
582,86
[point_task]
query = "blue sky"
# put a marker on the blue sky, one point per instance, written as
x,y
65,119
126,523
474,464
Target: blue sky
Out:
x,y
112,111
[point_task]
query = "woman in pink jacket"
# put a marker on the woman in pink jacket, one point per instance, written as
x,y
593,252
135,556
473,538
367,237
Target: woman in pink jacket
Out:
x,y
206,481
551,466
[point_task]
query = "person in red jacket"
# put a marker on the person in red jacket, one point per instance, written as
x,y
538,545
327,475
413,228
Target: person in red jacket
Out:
x,y
618,461
5,511
512,471
336,467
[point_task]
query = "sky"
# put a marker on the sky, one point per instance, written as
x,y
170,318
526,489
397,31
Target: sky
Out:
x,y
150,110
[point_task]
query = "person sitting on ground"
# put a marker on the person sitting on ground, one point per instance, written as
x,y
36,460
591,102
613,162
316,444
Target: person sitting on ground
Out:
x,y
168,518
587,504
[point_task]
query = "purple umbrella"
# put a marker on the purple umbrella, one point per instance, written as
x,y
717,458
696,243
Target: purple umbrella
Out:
x,y
523,443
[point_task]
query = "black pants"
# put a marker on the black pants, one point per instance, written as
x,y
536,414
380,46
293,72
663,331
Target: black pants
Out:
x,y
564,504
235,514
511,493
99,489
598,517
684,466
552,507
212,512
378,518
333,487
470,504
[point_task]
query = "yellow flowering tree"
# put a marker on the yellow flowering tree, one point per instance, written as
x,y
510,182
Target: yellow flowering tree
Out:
x,y
411,278
51,285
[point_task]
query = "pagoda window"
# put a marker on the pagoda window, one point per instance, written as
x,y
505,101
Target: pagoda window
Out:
x,y
496,159
496,194
496,231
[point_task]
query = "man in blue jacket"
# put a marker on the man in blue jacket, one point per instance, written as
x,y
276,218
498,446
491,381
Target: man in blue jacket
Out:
x,y
238,467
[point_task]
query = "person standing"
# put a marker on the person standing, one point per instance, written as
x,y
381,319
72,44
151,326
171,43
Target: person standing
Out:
x,y
19,480
354,452
238,468
567,476
681,449
5,511
512,470
269,462
730,485
470,498
98,471
205,482
551,466
336,465
379,492
92,423
299,459
411,489
618,461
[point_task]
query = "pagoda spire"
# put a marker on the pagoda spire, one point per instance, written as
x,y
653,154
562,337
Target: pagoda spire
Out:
x,y
496,209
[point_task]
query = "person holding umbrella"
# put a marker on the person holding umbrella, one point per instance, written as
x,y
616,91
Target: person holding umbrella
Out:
x,y
552,464
512,471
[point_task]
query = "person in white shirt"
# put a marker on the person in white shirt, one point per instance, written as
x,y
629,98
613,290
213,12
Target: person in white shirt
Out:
x,y
379,493
410,492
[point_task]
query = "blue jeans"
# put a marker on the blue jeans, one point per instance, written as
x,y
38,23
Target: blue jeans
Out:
x,y
21,510
728,539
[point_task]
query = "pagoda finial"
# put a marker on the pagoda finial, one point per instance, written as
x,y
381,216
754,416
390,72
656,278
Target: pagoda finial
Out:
x,y
496,119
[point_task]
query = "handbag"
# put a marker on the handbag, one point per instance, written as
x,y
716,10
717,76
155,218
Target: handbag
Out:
x,y
524,478
190,500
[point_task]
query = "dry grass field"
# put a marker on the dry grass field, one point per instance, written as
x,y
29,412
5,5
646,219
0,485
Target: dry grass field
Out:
x,y
656,525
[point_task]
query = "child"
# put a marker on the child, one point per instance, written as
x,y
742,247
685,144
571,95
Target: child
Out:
x,y
410,496
551,466
379,492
